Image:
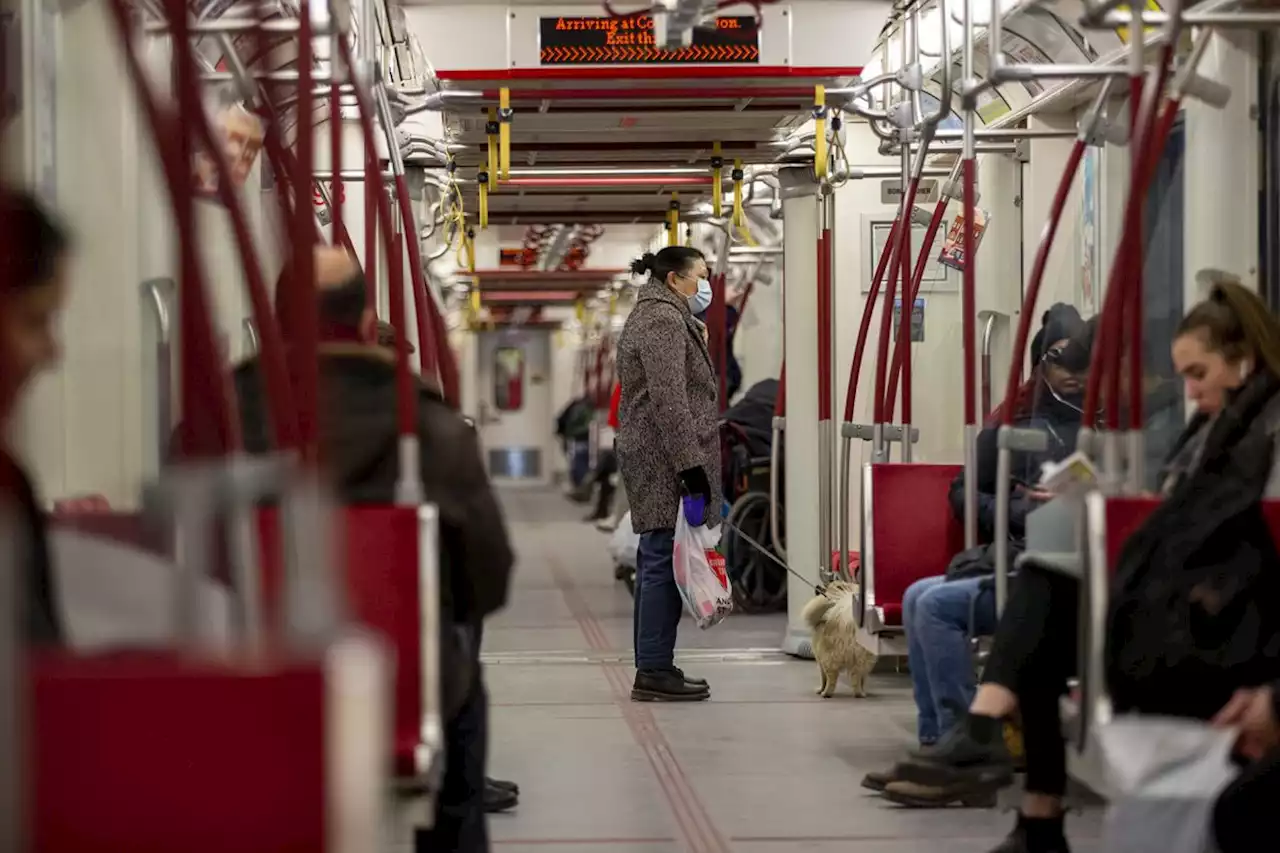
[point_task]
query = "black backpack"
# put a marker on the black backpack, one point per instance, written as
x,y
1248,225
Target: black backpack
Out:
x,y
1195,603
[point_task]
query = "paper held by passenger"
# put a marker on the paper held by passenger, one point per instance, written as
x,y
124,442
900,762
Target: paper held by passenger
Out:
x,y
1074,475
1165,774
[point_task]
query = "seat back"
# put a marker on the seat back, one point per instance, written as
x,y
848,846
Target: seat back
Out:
x,y
908,530
379,558
154,753
1124,515
93,515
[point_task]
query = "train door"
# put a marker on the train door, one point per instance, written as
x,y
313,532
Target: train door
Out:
x,y
514,396
1162,303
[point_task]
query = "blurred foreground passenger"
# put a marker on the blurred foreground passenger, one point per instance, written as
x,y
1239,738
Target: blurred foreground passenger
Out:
x,y
359,446
1195,605
668,447
33,250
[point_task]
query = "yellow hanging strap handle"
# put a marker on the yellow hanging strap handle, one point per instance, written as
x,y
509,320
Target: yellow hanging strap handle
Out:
x,y
820,132
740,213
504,134
717,182
673,220
475,305
467,251
482,183
492,130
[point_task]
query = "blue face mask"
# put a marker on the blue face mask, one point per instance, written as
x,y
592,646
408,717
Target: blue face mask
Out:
x,y
701,300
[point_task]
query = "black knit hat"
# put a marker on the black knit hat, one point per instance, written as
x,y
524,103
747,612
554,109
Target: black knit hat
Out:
x,y
1060,322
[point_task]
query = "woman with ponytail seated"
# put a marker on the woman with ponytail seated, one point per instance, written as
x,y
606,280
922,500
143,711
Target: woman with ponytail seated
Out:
x,y
668,447
1195,604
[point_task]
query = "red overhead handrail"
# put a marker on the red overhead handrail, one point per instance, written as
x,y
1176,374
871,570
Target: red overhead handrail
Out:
x,y
407,414
1149,132
304,331
1047,237
899,245
204,396
935,222
864,328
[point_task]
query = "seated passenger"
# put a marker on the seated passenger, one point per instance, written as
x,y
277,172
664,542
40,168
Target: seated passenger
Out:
x,y
32,290
940,614
605,478
359,439
1227,350
573,428
1244,813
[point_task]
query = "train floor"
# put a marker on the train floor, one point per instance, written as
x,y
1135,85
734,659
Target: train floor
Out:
x,y
765,766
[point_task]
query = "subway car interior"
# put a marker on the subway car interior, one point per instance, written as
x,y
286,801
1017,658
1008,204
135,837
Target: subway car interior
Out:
x,y
1031,194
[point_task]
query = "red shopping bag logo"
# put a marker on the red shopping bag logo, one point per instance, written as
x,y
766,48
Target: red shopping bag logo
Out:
x,y
716,560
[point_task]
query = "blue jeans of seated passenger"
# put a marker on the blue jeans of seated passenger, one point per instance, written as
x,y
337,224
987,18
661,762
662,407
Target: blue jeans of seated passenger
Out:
x,y
657,607
579,462
936,616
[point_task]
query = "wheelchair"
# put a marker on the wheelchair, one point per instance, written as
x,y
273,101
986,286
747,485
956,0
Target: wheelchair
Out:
x,y
758,581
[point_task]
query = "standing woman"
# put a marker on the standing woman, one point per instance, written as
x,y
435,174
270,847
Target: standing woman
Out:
x,y
668,449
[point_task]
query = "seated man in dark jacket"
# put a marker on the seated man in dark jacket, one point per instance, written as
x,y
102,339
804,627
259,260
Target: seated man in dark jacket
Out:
x,y
359,448
937,611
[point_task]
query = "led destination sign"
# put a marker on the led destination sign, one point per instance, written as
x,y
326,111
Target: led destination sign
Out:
x,y
631,41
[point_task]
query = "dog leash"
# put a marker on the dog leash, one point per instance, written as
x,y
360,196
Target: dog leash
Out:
x,y
768,552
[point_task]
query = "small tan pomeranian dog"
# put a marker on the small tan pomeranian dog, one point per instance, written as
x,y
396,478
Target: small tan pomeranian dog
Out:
x,y
835,644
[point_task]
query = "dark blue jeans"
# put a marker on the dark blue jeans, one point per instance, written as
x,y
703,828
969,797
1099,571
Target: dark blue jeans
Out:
x,y
579,462
936,616
657,606
460,822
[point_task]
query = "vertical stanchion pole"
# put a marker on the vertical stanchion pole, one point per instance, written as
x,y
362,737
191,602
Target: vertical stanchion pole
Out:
x,y
968,300
824,337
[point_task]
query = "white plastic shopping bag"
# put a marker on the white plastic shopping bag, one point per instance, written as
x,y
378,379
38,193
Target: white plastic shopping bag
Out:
x,y
700,572
624,545
1165,774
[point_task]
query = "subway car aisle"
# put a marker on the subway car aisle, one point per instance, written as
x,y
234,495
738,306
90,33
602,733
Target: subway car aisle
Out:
x,y
763,767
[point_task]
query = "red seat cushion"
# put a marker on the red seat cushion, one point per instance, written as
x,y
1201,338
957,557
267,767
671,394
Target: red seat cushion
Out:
x,y
1124,515
379,545
913,531
155,754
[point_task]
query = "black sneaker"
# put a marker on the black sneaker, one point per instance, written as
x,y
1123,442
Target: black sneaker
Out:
x,y
1035,835
666,685
972,752
498,799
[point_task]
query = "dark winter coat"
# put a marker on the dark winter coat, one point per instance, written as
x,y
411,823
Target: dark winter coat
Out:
x,y
669,412
359,447
41,623
1195,605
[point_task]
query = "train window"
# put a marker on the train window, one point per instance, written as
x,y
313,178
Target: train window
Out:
x,y
1163,303
508,379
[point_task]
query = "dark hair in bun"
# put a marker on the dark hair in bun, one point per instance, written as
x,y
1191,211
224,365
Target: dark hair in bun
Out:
x,y
672,259
643,264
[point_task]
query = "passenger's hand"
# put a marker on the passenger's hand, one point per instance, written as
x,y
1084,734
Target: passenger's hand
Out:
x,y
695,509
1039,495
1252,710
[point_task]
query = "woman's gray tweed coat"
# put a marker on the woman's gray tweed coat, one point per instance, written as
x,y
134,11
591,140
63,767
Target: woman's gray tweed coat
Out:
x,y
669,414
